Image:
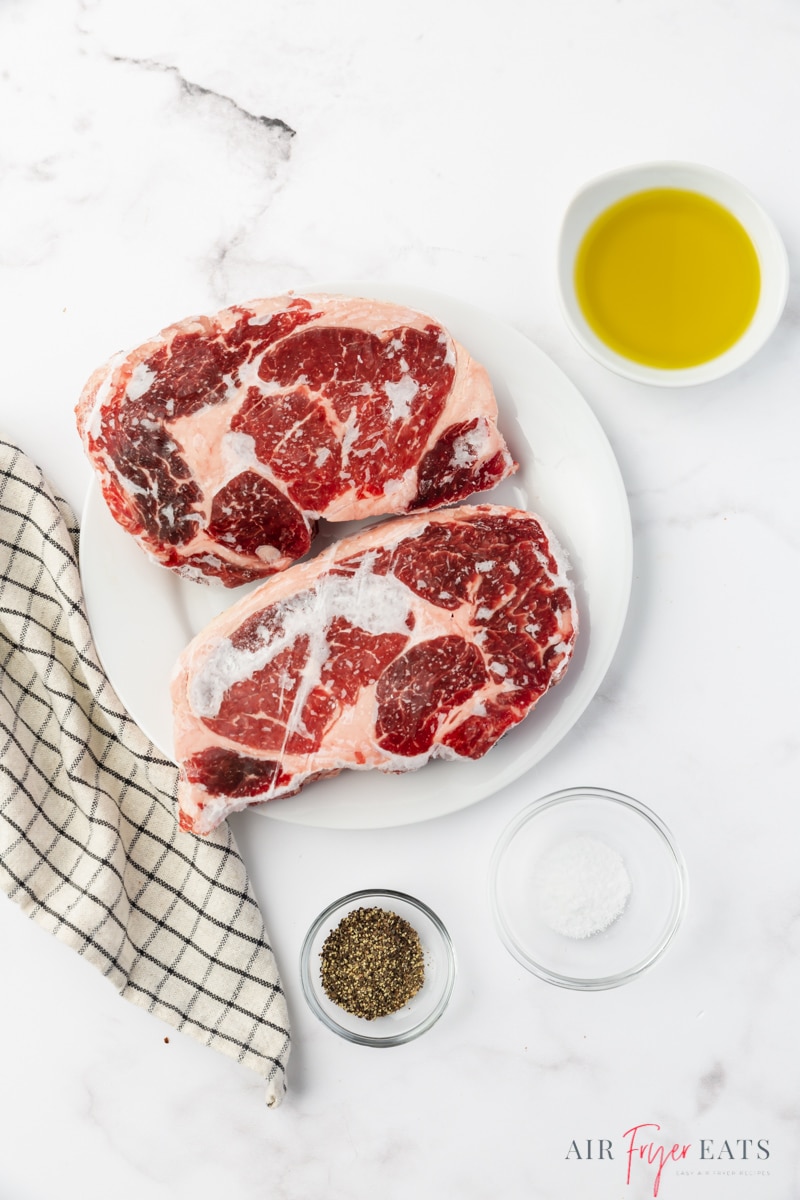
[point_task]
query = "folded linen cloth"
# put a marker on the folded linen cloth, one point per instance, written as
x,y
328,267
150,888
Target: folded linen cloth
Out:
x,y
89,841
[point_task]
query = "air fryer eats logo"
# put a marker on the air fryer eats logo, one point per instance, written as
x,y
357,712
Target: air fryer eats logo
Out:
x,y
647,1155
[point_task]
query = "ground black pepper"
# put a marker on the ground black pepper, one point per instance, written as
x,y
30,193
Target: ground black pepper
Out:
x,y
372,963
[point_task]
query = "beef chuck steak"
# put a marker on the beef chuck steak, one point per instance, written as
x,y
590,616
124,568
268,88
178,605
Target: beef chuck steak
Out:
x,y
221,442
423,637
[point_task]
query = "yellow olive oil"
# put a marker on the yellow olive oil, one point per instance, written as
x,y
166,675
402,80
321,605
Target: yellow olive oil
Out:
x,y
668,278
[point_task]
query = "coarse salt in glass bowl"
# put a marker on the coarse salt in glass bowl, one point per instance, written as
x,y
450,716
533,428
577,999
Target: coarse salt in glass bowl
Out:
x,y
422,1010
552,923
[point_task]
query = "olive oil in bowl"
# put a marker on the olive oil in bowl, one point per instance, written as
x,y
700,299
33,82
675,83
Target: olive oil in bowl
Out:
x,y
668,277
670,273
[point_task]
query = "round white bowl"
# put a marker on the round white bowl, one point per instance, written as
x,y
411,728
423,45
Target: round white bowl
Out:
x,y
422,1010
649,921
600,193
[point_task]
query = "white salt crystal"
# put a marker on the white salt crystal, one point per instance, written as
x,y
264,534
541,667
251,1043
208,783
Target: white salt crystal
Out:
x,y
581,887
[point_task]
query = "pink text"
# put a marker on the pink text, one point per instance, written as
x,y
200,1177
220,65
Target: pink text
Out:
x,y
651,1152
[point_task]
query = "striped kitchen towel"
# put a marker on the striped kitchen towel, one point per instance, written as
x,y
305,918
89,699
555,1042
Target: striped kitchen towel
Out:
x,y
89,841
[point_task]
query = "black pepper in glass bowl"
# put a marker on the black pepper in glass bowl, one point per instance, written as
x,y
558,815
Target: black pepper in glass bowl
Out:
x,y
377,967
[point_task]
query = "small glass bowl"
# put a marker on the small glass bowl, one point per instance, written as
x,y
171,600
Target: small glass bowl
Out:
x,y
422,1010
647,924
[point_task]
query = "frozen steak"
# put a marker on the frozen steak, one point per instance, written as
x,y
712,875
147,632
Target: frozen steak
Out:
x,y
220,443
424,637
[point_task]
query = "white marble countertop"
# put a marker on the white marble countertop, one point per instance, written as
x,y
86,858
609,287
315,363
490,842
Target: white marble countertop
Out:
x,y
163,158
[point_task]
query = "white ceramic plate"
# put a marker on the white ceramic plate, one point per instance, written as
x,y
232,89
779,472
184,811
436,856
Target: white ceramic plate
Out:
x,y
142,615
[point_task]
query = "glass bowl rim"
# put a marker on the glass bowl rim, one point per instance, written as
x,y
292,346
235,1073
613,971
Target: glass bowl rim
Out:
x,y
349,901
552,800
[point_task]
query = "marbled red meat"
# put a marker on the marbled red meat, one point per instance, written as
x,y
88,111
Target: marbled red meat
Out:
x,y
424,637
222,442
